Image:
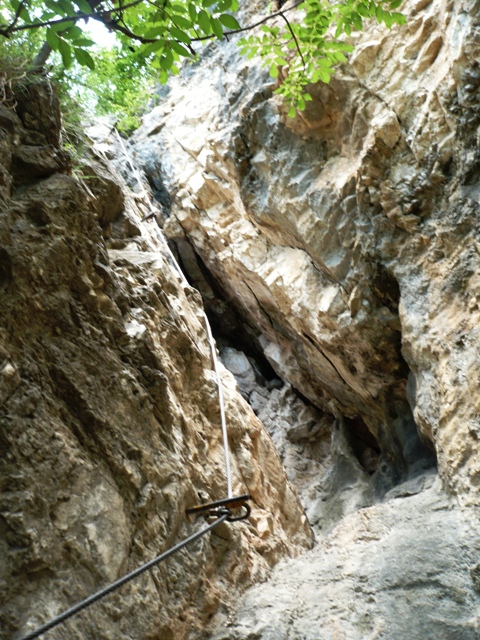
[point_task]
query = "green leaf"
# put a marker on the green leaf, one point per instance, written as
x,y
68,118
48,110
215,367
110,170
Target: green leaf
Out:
x,y
73,33
208,3
217,27
176,46
55,7
166,61
388,19
66,53
204,22
363,10
324,76
84,58
84,42
83,6
152,47
229,21
357,21
178,34
155,32
301,104
399,18
292,112
339,56
273,71
181,22
395,4
379,14
192,12
68,7
47,16
224,5
324,62
52,39
62,26
179,8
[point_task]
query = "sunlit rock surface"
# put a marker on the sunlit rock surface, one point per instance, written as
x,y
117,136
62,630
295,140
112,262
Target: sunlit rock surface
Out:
x,y
345,238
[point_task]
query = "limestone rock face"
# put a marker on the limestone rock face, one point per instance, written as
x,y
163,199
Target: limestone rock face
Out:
x,y
339,252
109,415
344,240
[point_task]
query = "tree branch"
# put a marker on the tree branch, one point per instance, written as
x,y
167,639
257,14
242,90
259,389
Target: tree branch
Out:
x,y
78,16
294,37
42,56
17,14
116,26
104,15
252,26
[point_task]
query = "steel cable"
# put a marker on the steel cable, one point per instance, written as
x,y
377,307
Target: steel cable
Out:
x,y
121,581
211,340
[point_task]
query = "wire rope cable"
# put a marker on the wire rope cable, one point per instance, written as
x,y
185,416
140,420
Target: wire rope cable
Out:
x,y
221,402
211,339
121,581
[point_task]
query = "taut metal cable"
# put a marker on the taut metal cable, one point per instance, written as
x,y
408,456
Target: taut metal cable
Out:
x,y
222,409
211,340
121,581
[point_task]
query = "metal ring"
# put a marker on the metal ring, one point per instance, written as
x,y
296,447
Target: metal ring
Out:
x,y
242,516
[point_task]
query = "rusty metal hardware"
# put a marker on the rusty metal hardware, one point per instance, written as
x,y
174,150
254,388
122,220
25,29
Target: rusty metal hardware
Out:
x,y
221,507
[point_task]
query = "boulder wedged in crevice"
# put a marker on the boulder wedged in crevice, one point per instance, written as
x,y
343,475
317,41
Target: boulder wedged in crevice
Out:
x,y
390,451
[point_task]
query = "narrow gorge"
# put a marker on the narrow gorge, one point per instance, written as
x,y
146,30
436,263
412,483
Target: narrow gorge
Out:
x,y
336,256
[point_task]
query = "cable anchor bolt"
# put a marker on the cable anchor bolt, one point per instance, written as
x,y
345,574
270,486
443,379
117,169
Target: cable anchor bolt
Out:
x,y
220,507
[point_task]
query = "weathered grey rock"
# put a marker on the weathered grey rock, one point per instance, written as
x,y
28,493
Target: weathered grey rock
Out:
x,y
407,568
109,420
328,469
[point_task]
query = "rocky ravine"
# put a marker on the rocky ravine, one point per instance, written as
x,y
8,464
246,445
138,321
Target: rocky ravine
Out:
x,y
339,253
109,417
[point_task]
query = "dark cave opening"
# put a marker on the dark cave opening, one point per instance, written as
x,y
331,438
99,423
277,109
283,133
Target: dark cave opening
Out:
x,y
229,327
364,444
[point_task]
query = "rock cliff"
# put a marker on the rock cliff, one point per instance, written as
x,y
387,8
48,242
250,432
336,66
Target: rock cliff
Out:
x,y
344,240
109,423
338,252
336,255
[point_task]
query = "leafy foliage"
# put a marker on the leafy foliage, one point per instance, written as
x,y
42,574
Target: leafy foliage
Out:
x,y
17,73
120,84
161,33
310,50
